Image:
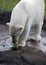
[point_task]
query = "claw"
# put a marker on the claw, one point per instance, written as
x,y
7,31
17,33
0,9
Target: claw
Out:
x,y
17,48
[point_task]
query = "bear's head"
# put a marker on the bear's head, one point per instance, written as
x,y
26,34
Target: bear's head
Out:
x,y
15,31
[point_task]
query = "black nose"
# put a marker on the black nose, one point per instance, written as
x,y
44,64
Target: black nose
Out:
x,y
14,39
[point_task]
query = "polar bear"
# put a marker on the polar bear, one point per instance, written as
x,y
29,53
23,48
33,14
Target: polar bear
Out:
x,y
25,14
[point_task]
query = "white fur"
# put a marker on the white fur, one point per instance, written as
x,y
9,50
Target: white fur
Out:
x,y
25,14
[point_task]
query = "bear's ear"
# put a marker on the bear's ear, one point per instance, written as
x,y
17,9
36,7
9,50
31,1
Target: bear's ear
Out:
x,y
8,24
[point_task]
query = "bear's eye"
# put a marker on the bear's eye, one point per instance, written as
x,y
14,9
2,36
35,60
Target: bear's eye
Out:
x,y
20,28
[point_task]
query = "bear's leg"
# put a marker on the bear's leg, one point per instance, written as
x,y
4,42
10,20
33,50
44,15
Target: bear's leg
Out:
x,y
37,35
24,35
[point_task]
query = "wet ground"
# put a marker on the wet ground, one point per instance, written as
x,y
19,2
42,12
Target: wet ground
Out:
x,y
6,40
33,54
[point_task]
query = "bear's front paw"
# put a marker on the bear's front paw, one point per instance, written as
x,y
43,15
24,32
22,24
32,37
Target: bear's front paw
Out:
x,y
22,43
16,48
19,45
36,38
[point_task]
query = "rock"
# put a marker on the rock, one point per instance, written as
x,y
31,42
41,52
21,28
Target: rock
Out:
x,y
4,16
44,25
25,56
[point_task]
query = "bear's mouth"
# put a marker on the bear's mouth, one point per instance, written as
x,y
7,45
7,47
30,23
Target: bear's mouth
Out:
x,y
14,40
